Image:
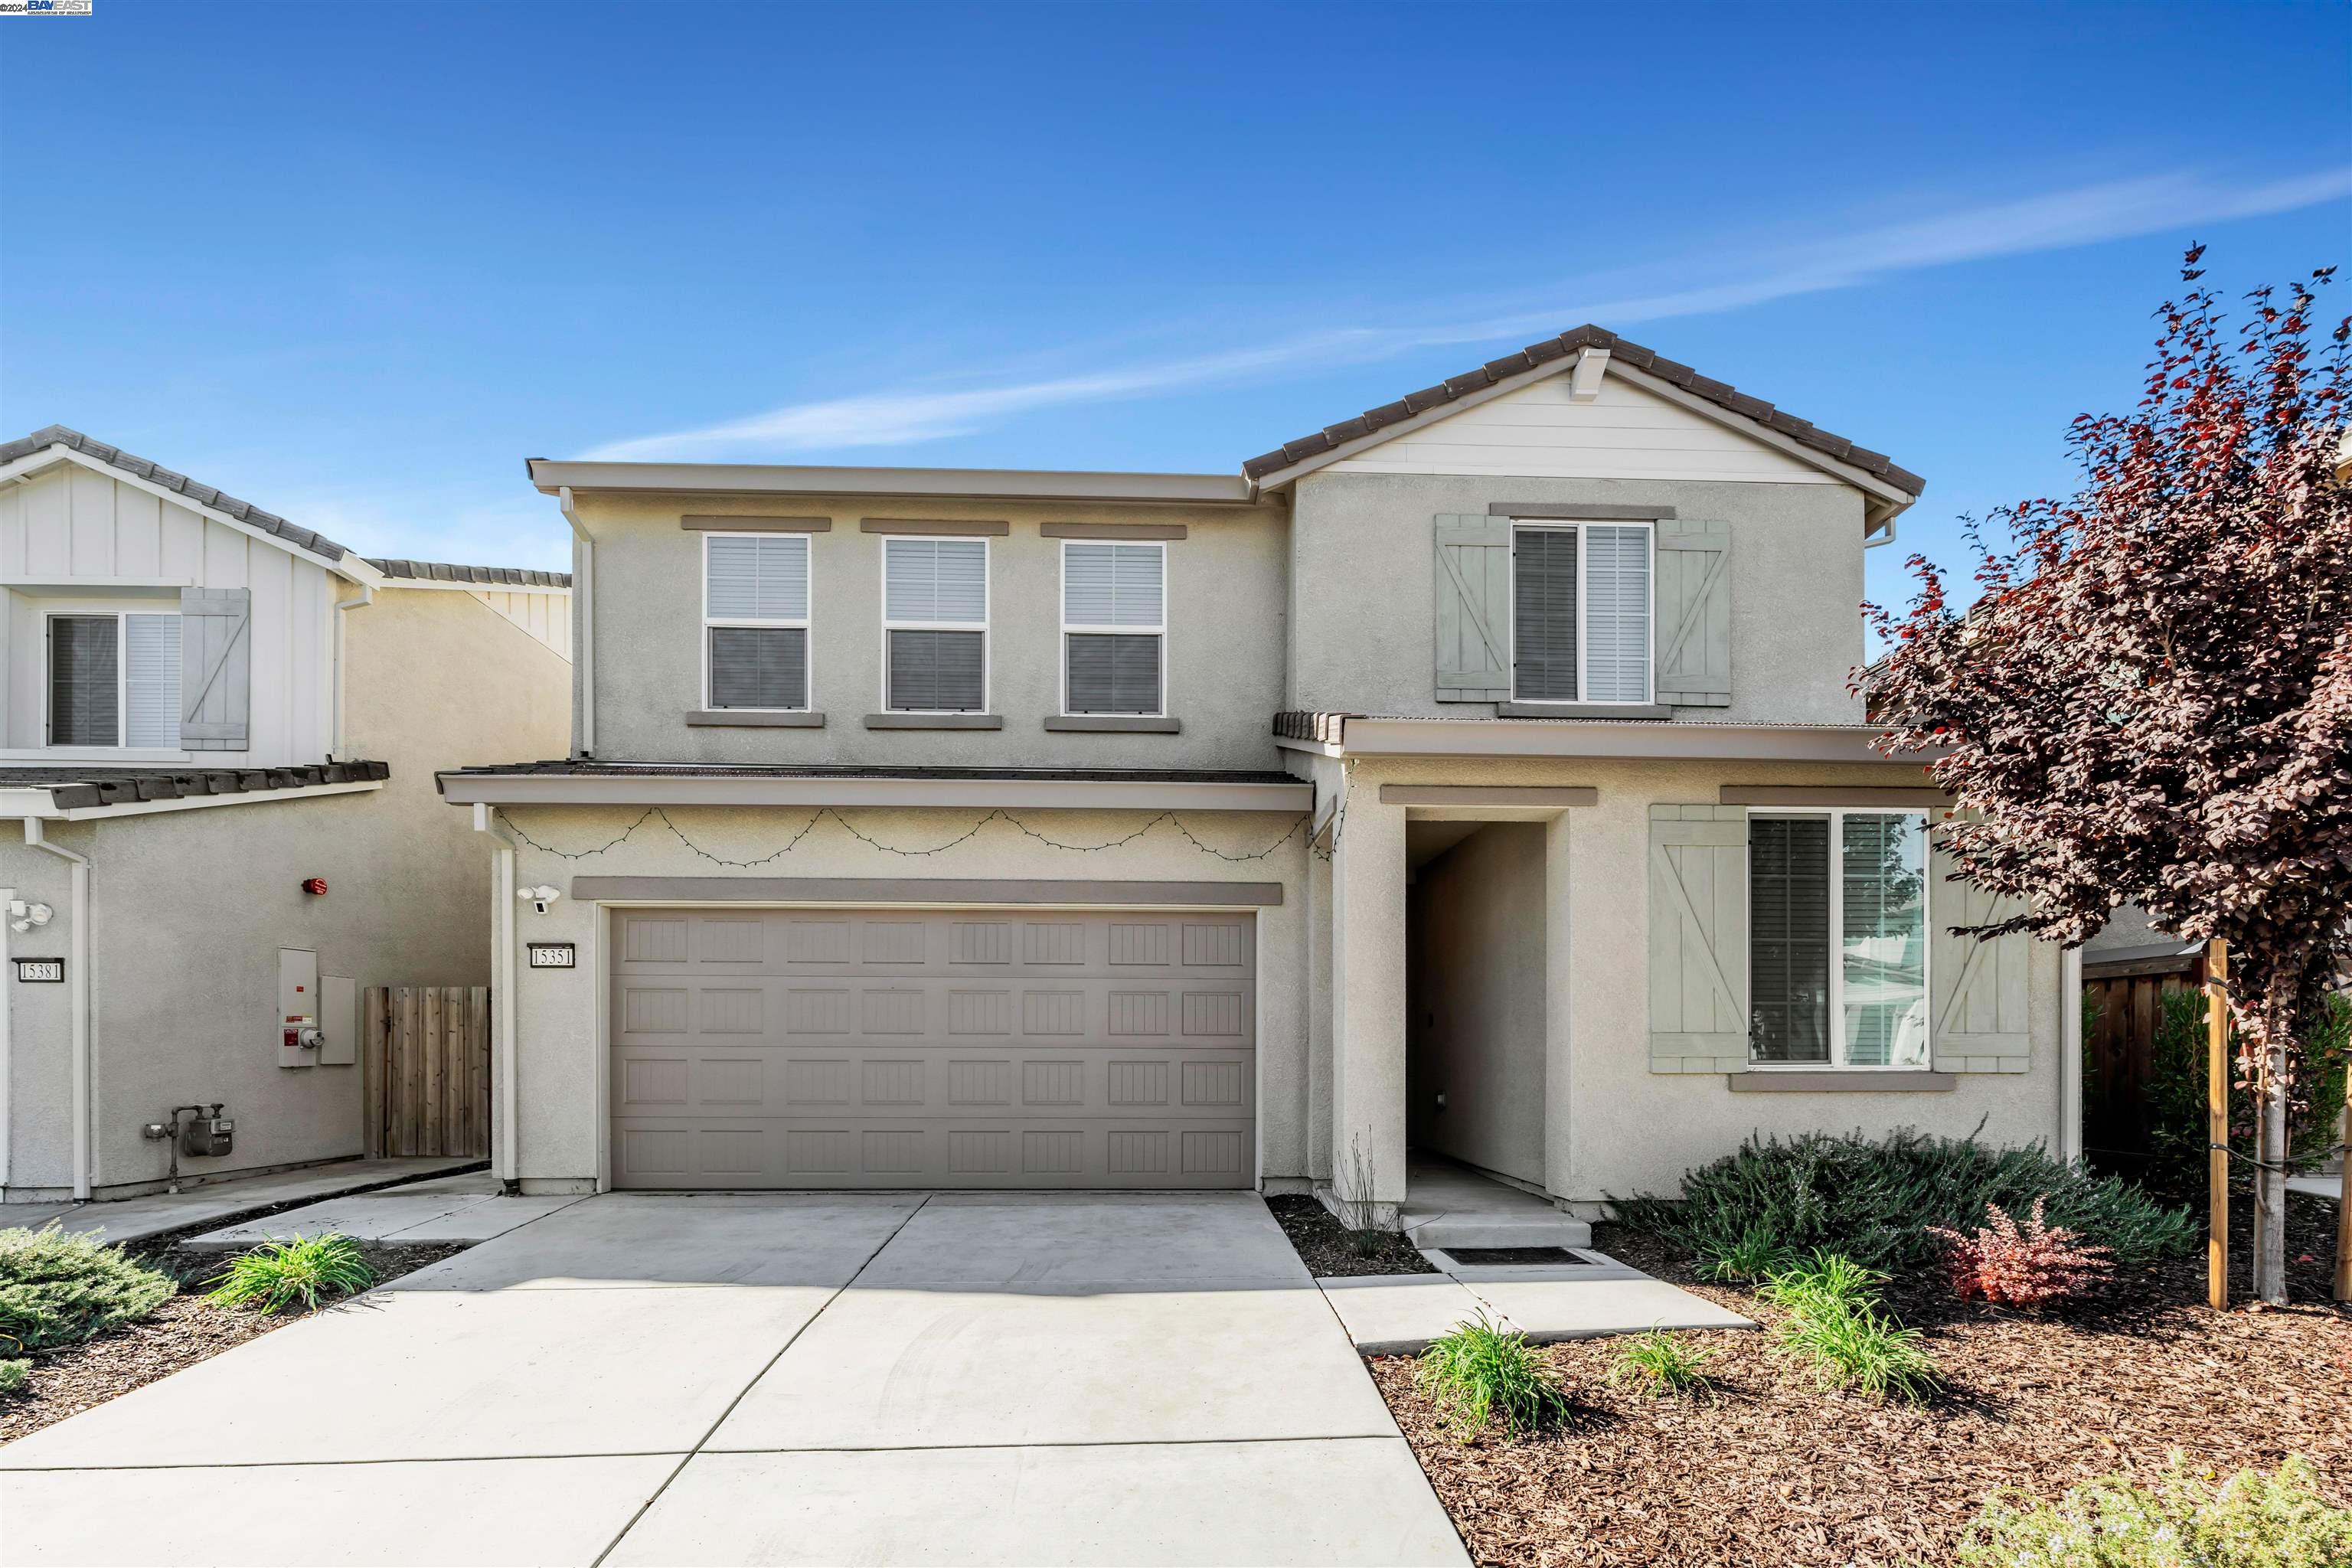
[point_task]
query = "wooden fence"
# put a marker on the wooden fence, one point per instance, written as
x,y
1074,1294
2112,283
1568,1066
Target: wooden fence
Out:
x,y
428,1070
2119,1056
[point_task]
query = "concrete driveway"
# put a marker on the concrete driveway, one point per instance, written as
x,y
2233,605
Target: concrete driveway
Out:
x,y
1068,1378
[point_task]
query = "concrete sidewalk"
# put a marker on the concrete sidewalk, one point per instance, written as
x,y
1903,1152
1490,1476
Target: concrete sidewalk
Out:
x,y
452,1208
136,1219
1049,1378
1398,1315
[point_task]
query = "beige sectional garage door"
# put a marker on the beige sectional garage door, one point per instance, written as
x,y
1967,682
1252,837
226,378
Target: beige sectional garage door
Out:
x,y
932,1048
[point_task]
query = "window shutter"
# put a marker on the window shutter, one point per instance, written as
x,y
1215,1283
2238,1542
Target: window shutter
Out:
x,y
215,668
1693,609
1474,596
82,679
1698,938
1977,1007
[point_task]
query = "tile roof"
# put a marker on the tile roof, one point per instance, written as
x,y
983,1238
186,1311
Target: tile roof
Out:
x,y
178,484
1565,346
586,768
443,572
80,785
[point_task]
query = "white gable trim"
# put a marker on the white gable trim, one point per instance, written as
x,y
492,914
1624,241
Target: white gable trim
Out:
x,y
352,568
1587,365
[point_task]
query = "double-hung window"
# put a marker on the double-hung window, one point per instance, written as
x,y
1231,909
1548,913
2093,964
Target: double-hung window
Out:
x,y
755,620
1114,627
1581,611
1837,923
114,681
935,625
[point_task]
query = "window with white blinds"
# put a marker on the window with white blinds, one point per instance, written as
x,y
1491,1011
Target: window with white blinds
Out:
x,y
755,614
114,681
1580,613
1114,627
935,625
1837,953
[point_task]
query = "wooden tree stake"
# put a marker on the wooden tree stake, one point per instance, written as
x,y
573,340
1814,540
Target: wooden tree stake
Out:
x,y
2216,1124
2343,1288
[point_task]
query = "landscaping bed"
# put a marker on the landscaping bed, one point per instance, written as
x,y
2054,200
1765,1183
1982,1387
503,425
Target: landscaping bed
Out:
x,y
1768,1468
184,1329
1330,1250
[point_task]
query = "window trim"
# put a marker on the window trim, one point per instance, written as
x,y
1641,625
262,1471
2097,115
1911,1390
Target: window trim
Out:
x,y
1083,628
1835,816
121,617
983,627
808,637
1649,697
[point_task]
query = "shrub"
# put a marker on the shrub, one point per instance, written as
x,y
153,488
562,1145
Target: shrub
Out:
x,y
59,1288
2021,1266
1756,1253
13,1374
1657,1363
277,1274
1476,1373
1873,1199
2250,1520
1834,1328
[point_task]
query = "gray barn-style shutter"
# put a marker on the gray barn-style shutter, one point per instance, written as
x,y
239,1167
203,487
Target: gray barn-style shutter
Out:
x,y
1473,608
1693,602
215,668
1698,938
1977,1007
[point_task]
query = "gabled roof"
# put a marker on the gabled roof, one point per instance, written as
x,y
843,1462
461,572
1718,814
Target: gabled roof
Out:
x,y
1565,348
246,512
485,576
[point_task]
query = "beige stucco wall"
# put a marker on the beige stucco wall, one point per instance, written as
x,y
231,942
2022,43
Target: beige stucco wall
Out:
x,y
1615,1127
1362,637
190,906
1223,656
1476,1035
560,1042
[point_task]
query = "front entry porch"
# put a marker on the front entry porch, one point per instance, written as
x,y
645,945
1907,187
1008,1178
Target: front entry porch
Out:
x,y
1448,1204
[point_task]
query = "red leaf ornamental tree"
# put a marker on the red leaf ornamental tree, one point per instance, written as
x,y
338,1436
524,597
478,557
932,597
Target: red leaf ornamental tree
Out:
x,y
2151,699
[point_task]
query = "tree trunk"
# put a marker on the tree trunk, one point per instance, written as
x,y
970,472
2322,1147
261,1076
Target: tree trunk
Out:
x,y
2278,1021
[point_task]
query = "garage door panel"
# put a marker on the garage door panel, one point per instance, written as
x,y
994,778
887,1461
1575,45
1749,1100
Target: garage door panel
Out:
x,y
896,1048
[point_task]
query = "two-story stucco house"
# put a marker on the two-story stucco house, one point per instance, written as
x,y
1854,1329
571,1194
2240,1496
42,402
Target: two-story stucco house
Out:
x,y
218,732
1477,777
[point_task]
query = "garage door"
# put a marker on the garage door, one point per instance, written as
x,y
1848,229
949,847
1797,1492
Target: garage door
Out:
x,y
932,1048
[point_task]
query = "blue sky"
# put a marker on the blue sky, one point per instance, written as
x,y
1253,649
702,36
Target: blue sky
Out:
x,y
355,263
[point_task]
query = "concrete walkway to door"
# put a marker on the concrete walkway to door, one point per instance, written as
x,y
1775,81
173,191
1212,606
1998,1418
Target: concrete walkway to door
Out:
x,y
1065,1378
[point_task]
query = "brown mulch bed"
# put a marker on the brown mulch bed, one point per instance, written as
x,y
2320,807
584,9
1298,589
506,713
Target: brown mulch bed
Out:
x,y
1330,1250
1767,1470
183,1331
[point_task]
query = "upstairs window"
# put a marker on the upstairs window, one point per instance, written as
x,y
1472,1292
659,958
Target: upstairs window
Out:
x,y
1114,624
935,625
1580,613
114,681
755,614
1837,967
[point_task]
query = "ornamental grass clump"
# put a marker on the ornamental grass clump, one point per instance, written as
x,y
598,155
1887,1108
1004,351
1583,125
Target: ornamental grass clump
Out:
x,y
2029,1265
1477,1372
1655,1362
1756,1253
1835,1329
279,1274
61,1288
13,1374
2250,1520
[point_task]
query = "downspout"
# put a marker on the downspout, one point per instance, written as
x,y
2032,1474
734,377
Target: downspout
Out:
x,y
7,1062
2069,1049
342,667
502,995
77,969
583,600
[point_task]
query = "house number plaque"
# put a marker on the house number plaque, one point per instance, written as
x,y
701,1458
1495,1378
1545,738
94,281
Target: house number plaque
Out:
x,y
41,971
551,955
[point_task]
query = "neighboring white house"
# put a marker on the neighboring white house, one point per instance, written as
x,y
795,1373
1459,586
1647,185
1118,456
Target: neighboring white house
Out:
x,y
1476,777
206,712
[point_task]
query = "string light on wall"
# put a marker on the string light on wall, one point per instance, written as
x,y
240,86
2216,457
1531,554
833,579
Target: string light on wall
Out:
x,y
656,814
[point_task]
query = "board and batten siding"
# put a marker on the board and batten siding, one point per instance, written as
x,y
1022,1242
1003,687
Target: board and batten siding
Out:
x,y
72,538
1625,434
545,614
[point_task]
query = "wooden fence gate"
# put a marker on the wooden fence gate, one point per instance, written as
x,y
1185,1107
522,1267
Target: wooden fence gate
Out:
x,y
428,1070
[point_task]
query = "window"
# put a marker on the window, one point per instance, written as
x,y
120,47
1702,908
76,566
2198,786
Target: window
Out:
x,y
935,624
755,616
1114,621
1861,1000
114,681
1580,613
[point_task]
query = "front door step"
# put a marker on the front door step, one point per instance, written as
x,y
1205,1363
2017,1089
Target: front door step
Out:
x,y
1530,1227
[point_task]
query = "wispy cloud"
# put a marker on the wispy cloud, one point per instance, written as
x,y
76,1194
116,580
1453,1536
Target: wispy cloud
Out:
x,y
2056,220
